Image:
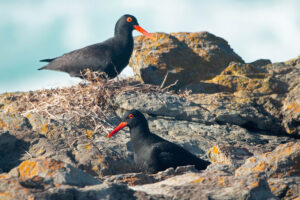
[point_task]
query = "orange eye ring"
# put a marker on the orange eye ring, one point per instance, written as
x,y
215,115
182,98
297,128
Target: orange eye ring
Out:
x,y
130,116
129,19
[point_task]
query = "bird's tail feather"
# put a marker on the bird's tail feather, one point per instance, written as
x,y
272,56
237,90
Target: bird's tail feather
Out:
x,y
47,60
42,68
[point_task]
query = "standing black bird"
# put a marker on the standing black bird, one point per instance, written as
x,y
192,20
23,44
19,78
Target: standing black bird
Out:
x,y
151,152
110,56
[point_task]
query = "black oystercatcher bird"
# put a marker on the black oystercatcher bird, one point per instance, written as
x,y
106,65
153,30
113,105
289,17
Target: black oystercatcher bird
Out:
x,y
110,56
151,152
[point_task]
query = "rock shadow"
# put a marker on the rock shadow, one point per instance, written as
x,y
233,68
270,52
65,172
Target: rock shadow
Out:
x,y
11,151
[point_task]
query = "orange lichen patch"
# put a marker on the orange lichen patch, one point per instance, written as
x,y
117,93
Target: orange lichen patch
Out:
x,y
2,124
217,156
52,166
252,159
5,195
270,162
40,151
295,106
221,181
95,168
28,169
2,176
89,133
28,116
273,189
31,168
260,167
286,150
199,180
88,146
100,158
215,149
255,184
271,183
1,106
45,128
131,180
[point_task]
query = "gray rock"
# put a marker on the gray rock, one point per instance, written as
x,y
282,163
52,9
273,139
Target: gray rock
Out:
x,y
186,57
164,105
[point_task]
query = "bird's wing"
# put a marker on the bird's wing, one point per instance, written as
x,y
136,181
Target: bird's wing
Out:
x,y
154,159
162,156
170,152
178,156
96,57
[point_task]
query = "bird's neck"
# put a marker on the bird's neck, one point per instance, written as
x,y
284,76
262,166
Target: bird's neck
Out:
x,y
139,134
123,34
124,41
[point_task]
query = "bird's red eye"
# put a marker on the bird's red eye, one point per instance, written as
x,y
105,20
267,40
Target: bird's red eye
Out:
x,y
129,19
130,116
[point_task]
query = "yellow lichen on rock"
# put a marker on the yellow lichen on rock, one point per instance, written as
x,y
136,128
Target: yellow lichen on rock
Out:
x,y
31,168
216,155
255,184
188,57
199,180
89,133
221,181
215,149
5,195
3,175
28,169
271,162
88,146
40,151
295,107
260,167
45,128
52,166
2,124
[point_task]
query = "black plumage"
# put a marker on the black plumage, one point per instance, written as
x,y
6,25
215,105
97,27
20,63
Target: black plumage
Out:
x,y
110,56
151,152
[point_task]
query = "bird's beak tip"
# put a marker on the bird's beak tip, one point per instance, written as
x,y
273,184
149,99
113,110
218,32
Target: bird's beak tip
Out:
x,y
117,129
144,32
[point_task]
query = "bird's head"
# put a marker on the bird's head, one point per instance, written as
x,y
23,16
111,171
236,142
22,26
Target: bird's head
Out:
x,y
132,119
129,23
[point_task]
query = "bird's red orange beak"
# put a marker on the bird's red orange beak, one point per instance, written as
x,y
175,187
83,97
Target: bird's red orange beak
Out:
x,y
117,129
143,31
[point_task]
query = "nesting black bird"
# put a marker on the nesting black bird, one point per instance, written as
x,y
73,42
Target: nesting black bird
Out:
x,y
151,152
110,56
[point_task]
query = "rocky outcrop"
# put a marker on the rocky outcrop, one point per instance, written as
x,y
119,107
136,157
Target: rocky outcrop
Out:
x,y
186,57
48,158
53,143
258,95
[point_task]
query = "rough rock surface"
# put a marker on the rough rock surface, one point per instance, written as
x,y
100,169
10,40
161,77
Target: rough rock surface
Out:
x,y
258,95
53,145
186,57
